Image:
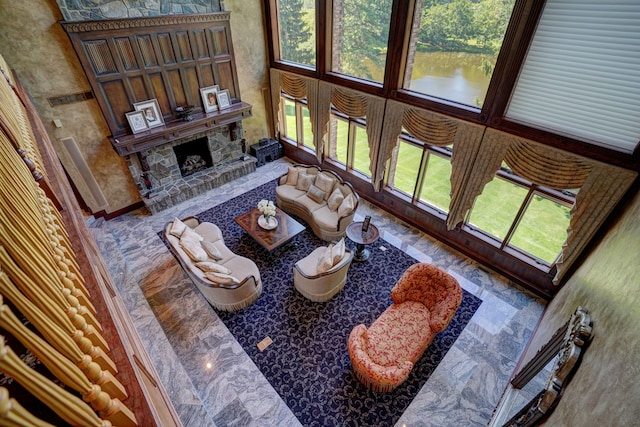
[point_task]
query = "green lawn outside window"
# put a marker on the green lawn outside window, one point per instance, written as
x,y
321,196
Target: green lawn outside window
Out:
x,y
290,130
542,229
436,186
497,206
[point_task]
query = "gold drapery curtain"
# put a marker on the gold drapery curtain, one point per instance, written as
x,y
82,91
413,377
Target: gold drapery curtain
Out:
x,y
601,191
434,129
546,166
477,154
601,185
299,87
354,104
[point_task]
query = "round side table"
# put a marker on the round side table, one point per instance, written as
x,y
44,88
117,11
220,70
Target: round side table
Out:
x,y
362,238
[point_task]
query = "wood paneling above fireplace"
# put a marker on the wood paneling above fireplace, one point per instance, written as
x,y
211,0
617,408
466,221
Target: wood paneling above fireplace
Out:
x,y
168,58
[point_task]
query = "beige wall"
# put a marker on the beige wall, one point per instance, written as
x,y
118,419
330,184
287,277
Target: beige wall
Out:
x,y
606,388
250,49
37,48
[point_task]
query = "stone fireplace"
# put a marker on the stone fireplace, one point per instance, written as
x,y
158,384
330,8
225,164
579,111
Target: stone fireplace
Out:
x,y
178,170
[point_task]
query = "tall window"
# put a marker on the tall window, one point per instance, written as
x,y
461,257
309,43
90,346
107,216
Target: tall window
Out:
x,y
516,66
592,50
421,172
348,143
454,47
296,126
523,218
360,33
297,26
516,216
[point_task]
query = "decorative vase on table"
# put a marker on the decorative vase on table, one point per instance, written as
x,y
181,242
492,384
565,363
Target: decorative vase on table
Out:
x,y
267,220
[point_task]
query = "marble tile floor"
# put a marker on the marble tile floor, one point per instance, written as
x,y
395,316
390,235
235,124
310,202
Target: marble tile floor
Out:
x,y
212,382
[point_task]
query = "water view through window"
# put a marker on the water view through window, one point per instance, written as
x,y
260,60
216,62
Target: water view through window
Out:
x,y
454,76
453,54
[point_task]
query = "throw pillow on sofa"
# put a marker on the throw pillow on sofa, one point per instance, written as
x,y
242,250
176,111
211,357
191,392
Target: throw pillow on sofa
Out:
x,y
223,279
335,199
316,194
337,252
193,250
305,181
212,267
325,259
346,206
292,175
189,235
325,183
211,250
177,228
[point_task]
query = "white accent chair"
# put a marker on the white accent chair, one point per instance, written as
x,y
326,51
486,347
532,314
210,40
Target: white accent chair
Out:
x,y
320,287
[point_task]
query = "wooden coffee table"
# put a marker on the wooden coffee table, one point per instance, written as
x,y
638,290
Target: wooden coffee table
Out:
x,y
287,228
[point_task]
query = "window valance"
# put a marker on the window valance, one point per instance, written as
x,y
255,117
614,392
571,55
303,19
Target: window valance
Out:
x,y
601,185
299,87
354,104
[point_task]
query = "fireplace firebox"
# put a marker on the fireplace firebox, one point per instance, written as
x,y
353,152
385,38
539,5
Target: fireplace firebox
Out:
x,y
193,156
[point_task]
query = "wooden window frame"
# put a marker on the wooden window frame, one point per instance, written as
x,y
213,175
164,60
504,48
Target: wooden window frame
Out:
x,y
518,36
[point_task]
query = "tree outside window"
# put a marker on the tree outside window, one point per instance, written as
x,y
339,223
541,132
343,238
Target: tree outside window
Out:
x,y
360,31
296,23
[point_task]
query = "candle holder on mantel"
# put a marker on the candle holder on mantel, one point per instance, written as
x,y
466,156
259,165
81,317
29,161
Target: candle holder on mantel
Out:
x,y
243,146
184,112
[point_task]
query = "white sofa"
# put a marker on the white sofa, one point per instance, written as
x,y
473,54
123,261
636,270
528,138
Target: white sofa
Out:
x,y
233,296
320,197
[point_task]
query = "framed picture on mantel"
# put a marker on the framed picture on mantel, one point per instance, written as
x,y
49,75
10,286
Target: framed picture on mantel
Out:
x,y
137,121
151,111
209,98
224,99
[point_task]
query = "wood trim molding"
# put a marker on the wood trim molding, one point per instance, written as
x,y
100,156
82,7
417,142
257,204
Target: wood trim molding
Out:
x,y
168,59
148,21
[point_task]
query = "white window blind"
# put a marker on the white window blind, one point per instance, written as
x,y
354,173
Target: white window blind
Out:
x,y
581,75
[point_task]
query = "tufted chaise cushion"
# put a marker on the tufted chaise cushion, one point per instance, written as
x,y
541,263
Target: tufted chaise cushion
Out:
x,y
425,299
399,334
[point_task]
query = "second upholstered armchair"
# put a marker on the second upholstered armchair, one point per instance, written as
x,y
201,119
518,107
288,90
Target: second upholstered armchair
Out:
x,y
424,302
320,281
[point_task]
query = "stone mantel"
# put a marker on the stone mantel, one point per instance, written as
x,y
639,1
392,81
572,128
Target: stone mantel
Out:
x,y
130,144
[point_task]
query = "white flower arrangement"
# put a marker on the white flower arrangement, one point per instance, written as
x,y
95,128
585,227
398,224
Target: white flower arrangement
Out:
x,y
267,208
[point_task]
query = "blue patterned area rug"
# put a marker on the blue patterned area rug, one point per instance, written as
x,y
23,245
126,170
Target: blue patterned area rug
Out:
x,y
308,364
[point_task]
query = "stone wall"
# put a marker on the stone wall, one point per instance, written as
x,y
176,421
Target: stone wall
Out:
x,y
169,187
79,10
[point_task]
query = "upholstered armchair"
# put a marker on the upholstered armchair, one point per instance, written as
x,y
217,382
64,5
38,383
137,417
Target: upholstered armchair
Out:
x,y
424,302
321,286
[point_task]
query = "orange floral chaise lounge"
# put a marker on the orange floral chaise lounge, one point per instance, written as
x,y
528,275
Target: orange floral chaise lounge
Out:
x,y
424,302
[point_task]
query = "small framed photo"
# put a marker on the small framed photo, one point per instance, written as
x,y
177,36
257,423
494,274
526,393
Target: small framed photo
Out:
x,y
151,111
209,98
137,121
224,100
